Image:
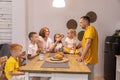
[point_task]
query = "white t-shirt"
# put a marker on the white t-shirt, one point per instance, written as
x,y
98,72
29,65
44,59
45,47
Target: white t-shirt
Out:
x,y
70,42
32,48
46,44
58,46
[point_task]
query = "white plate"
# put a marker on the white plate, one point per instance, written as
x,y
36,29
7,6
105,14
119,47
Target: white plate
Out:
x,y
55,59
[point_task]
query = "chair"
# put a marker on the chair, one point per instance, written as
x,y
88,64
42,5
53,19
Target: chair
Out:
x,y
2,64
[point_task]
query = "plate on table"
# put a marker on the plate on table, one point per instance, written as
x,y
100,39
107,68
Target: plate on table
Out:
x,y
55,60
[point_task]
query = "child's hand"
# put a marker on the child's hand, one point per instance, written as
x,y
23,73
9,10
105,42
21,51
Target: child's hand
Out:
x,y
23,53
39,51
78,46
59,39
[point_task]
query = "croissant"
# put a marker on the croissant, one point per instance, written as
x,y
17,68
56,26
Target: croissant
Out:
x,y
58,55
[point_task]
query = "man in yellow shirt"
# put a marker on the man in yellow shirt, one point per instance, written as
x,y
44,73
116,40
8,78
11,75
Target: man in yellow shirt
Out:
x,y
89,45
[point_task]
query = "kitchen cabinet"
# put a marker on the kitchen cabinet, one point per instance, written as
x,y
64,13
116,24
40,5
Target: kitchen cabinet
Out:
x,y
118,68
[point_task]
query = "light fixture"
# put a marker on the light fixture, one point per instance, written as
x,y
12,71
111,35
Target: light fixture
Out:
x,y
58,3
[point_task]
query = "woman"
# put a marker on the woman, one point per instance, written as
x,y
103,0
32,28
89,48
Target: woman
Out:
x,y
44,37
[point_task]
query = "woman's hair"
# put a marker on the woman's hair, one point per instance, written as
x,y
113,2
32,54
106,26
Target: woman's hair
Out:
x,y
31,34
72,31
13,47
55,36
42,31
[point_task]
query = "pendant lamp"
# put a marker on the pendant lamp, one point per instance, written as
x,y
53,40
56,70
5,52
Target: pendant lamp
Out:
x,y
58,3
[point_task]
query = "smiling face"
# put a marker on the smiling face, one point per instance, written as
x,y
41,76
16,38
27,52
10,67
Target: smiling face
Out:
x,y
84,22
44,32
57,36
71,33
34,38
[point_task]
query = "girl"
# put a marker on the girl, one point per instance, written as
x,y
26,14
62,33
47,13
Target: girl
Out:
x,y
57,45
70,42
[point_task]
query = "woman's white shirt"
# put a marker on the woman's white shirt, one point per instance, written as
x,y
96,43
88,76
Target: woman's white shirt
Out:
x,y
46,44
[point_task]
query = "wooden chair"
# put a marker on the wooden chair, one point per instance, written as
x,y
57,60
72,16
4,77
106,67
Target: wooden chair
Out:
x,y
2,64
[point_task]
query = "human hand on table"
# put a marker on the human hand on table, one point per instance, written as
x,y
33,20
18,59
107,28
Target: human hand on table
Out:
x,y
80,59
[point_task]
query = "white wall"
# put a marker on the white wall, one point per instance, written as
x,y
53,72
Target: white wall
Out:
x,y
19,22
41,13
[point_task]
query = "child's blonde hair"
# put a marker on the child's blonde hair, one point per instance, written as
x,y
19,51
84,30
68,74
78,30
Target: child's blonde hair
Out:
x,y
72,31
13,47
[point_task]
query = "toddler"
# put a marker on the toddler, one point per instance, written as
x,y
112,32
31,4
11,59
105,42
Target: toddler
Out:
x,y
70,42
12,65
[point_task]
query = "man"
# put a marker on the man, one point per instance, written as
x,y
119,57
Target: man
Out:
x,y
89,45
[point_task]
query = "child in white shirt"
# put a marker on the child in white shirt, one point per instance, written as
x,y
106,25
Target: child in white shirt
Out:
x,y
57,45
70,42
33,49
33,46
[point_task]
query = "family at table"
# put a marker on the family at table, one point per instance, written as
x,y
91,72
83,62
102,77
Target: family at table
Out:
x,y
41,42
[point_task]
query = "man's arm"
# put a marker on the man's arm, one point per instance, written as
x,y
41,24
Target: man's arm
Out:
x,y
87,46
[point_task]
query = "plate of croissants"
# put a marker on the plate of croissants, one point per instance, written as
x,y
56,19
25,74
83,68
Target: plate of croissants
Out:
x,y
57,57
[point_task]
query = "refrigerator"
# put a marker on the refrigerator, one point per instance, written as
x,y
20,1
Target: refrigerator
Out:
x,y
112,48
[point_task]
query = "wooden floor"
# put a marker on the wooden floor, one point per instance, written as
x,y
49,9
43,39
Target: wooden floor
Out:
x,y
99,78
2,77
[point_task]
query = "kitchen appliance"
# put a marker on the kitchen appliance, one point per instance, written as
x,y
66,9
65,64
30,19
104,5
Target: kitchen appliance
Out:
x,y
112,48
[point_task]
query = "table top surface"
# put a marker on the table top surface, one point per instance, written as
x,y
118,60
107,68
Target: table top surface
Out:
x,y
74,66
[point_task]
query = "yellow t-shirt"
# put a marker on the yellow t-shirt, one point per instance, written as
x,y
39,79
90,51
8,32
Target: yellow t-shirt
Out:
x,y
92,54
11,65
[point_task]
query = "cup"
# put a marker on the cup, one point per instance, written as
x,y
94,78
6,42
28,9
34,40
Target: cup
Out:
x,y
72,51
41,56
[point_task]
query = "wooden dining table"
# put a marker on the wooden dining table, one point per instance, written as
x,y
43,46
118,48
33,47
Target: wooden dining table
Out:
x,y
76,70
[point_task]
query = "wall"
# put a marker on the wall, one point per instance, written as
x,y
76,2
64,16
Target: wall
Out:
x,y
19,22
41,13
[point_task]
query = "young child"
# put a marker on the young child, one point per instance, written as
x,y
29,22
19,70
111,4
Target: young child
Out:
x,y
70,42
33,49
57,45
12,65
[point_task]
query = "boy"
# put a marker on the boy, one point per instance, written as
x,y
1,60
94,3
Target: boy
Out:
x,y
12,65
33,49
